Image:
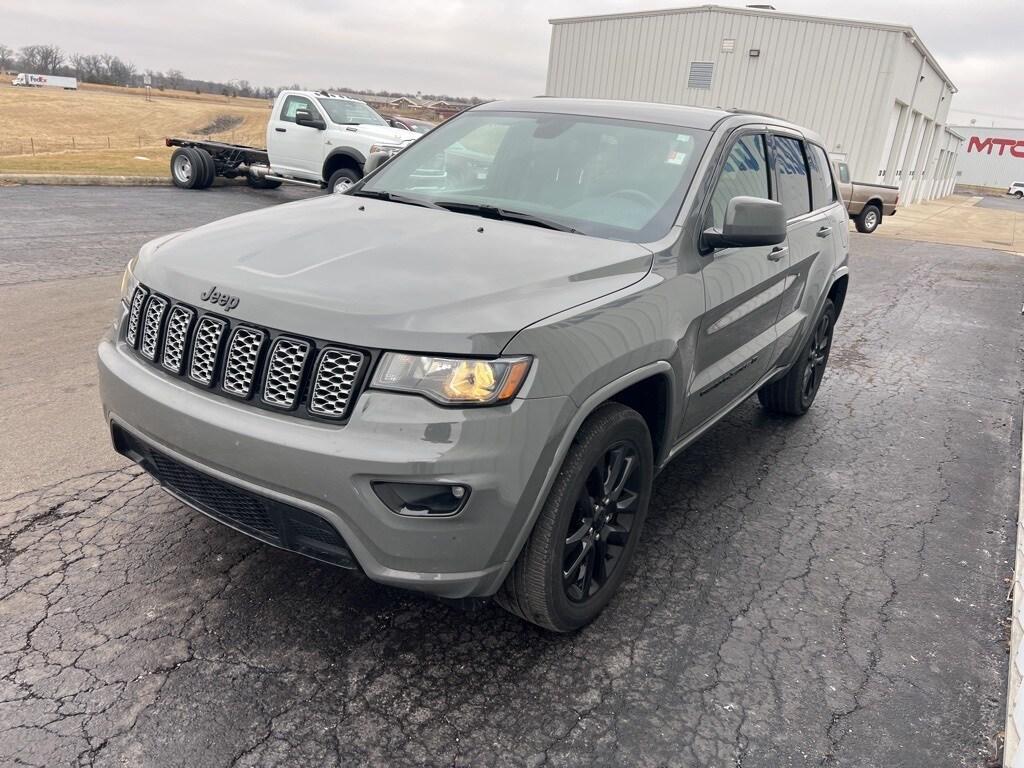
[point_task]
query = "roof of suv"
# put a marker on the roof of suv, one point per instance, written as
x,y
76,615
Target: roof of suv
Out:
x,y
670,114
702,118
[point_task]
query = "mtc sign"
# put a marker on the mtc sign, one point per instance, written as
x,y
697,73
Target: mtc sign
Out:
x,y
991,145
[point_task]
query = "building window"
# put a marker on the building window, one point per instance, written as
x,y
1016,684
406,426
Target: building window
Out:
x,y
700,74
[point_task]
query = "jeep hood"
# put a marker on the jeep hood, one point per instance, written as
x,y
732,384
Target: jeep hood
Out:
x,y
387,275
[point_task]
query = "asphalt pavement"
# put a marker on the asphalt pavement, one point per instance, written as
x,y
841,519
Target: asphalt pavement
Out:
x,y
829,591
1002,203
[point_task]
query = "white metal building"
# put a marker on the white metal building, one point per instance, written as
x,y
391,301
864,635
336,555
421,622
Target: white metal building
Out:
x,y
992,157
873,91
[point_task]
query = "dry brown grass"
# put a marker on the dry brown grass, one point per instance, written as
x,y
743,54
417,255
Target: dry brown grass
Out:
x,y
97,117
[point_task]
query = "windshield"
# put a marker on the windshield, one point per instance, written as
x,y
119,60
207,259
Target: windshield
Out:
x,y
350,112
617,179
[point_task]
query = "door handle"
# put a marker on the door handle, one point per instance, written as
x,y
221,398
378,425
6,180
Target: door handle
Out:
x,y
281,130
824,231
776,253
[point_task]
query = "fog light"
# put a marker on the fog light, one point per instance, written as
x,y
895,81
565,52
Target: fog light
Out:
x,y
422,499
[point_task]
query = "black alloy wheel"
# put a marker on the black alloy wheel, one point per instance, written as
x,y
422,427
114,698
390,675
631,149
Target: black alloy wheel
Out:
x,y
602,521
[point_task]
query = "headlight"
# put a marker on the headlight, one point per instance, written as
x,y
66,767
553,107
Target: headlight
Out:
x,y
453,380
128,282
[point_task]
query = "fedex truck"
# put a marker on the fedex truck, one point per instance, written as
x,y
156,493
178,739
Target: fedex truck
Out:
x,y
53,81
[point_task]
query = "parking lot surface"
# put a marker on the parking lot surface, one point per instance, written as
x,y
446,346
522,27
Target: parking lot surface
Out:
x,y
1002,203
827,591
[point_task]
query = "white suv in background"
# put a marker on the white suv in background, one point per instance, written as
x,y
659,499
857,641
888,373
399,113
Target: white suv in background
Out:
x,y
1016,189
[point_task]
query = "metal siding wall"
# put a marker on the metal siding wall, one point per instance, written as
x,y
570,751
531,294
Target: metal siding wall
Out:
x,y
826,76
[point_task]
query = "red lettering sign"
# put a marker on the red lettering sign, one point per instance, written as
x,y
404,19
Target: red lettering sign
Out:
x,y
986,145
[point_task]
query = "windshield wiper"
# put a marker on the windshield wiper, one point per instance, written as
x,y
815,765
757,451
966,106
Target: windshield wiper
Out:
x,y
494,212
391,197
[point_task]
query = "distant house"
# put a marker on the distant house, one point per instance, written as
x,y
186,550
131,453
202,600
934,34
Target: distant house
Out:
x,y
405,102
446,108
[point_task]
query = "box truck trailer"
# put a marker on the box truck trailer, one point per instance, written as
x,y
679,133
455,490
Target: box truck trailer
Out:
x,y
53,81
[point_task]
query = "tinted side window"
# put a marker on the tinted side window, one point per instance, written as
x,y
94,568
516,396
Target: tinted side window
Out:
x,y
292,105
792,173
745,173
823,192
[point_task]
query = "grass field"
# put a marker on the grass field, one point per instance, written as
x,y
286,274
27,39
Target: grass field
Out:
x,y
108,130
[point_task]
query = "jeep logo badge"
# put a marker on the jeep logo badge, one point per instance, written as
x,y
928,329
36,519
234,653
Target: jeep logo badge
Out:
x,y
214,296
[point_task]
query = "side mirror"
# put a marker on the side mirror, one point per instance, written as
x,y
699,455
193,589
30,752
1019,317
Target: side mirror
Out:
x,y
308,119
375,161
749,222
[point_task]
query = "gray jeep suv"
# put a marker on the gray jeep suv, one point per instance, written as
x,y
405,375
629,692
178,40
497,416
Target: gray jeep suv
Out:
x,y
465,383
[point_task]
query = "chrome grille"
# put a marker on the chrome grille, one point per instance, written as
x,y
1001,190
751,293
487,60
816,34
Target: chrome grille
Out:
x,y
179,323
284,372
270,369
336,375
243,355
155,308
134,314
205,349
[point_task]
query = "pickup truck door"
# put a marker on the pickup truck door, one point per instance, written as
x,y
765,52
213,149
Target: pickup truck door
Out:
x,y
743,290
296,150
816,231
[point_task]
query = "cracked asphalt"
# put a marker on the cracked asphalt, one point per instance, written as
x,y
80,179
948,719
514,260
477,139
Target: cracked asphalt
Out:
x,y
829,591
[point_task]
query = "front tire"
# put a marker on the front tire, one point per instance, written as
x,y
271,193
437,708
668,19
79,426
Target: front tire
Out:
x,y
793,394
341,180
584,539
1018,194
867,220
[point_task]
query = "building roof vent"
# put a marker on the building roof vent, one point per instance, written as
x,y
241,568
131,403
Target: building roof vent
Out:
x,y
762,7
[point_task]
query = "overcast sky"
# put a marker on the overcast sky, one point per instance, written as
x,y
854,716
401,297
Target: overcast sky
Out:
x,y
462,47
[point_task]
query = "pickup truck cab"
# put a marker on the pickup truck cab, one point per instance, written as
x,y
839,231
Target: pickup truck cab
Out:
x,y
865,203
314,138
326,138
465,383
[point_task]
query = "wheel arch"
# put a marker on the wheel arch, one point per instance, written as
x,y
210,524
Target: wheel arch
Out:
x,y
342,158
877,202
837,292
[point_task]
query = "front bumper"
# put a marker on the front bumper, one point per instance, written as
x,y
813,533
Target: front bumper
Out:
x,y
502,453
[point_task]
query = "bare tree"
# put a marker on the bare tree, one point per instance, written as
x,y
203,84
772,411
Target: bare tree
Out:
x,y
6,58
51,58
173,78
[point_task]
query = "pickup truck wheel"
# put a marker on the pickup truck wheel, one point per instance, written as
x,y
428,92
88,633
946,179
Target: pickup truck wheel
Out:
x,y
186,168
793,394
208,166
581,545
867,220
342,179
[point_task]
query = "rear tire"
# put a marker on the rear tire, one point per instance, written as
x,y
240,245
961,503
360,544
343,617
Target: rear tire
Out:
x,y
583,541
187,168
209,168
793,394
342,179
867,220
1018,194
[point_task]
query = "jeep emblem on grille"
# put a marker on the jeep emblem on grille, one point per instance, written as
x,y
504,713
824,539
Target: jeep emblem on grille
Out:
x,y
219,297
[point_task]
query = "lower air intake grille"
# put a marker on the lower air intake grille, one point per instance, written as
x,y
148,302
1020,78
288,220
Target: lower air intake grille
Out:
x,y
267,519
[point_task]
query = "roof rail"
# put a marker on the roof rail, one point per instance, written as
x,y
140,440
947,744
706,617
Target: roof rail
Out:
x,y
755,112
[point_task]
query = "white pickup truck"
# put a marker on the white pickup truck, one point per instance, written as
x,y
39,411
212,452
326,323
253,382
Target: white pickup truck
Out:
x,y
314,138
